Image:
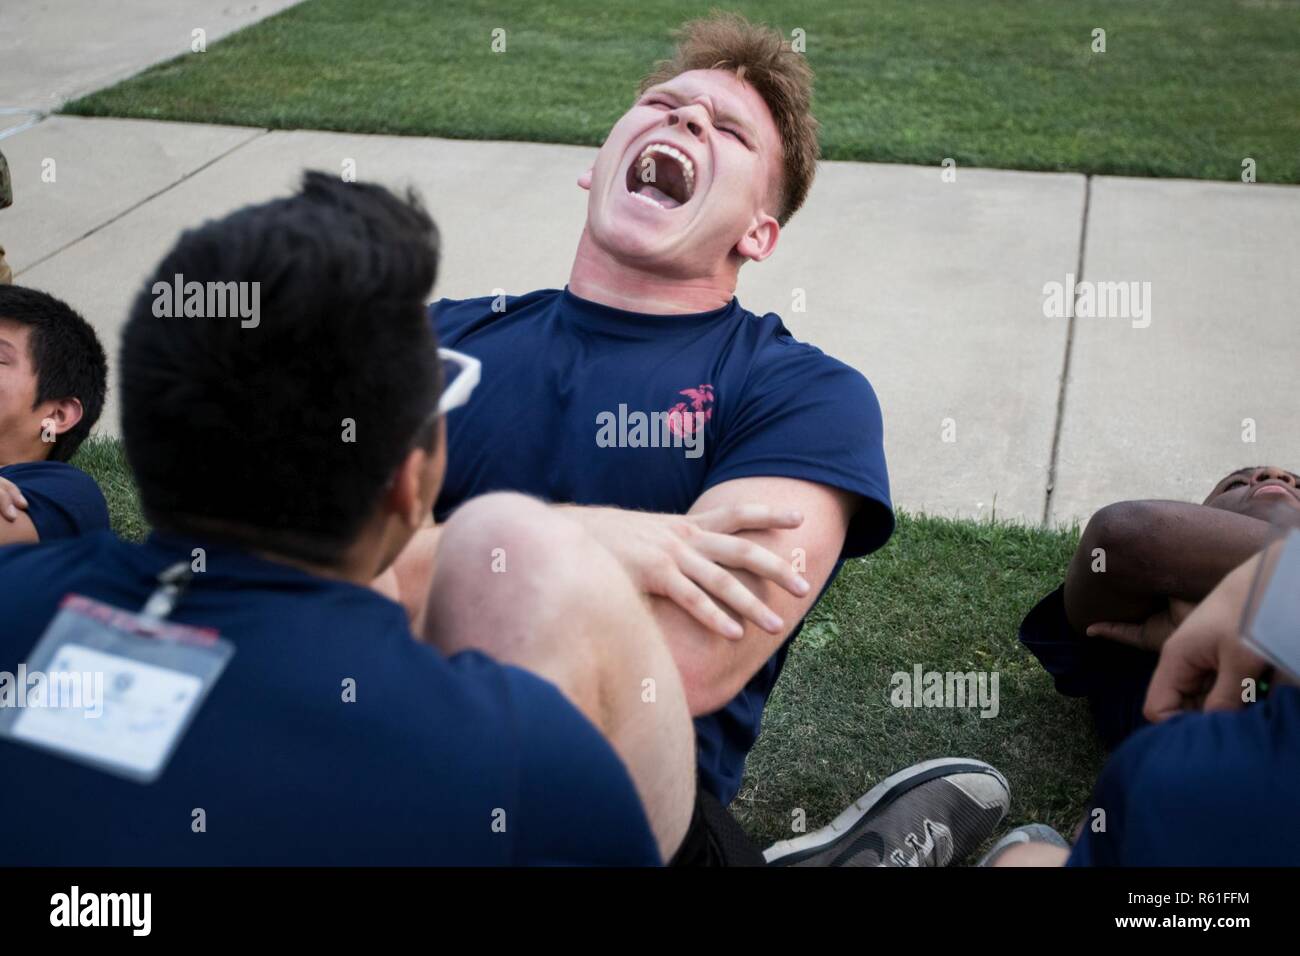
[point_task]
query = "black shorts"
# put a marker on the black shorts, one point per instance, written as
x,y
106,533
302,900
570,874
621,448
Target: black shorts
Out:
x,y
715,838
1113,677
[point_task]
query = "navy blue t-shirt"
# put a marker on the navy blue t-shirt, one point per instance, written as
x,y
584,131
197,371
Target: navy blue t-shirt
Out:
x,y
556,413
416,771
1217,789
1112,676
62,501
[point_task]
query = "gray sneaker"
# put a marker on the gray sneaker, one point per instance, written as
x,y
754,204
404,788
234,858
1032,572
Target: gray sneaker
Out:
x,y
935,813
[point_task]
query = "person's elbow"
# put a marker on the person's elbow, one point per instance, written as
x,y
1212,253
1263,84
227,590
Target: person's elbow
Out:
x,y
1117,527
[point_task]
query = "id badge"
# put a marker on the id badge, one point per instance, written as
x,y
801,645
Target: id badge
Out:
x,y
111,689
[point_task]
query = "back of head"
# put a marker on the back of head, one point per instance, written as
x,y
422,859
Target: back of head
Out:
x,y
66,357
282,431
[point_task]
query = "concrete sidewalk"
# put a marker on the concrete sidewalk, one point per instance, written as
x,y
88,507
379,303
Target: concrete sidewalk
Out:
x,y
934,289
54,52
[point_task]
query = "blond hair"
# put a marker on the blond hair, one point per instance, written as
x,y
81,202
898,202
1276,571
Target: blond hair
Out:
x,y
761,57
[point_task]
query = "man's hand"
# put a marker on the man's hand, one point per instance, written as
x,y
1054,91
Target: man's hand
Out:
x,y
1149,635
687,559
11,500
1207,650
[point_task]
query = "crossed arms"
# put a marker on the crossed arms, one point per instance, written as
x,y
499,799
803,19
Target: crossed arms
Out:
x,y
1160,559
721,580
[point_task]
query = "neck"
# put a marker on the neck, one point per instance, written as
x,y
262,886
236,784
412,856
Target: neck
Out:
x,y
359,564
599,277
348,571
18,456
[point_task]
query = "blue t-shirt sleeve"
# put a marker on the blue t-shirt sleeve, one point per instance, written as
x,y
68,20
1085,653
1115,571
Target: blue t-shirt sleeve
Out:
x,y
62,501
808,416
577,803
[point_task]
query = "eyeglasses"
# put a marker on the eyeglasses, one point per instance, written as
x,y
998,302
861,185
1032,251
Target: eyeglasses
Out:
x,y
460,373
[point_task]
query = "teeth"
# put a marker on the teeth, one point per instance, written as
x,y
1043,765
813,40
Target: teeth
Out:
x,y
646,199
688,167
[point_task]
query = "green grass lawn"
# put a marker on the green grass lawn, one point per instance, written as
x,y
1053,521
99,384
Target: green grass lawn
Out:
x,y
944,594
1184,88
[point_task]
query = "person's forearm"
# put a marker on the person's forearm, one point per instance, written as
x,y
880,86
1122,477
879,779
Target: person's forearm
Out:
x,y
1136,555
713,668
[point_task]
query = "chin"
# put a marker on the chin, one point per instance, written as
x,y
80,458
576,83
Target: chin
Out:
x,y
628,238
1276,511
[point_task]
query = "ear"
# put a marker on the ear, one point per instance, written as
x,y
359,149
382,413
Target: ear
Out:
x,y
584,181
64,413
760,241
406,496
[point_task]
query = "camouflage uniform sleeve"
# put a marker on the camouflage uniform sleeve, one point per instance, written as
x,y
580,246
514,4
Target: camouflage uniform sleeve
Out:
x,y
6,199
6,187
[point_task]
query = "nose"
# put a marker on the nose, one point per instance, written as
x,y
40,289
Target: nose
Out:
x,y
690,117
1272,473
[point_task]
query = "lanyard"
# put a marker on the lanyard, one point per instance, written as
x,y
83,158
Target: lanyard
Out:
x,y
173,582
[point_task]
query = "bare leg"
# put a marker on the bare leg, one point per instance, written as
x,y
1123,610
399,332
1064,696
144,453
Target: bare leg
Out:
x,y
1033,854
528,586
408,580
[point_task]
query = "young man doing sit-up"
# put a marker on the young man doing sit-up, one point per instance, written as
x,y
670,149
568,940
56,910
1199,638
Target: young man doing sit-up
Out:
x,y
729,467
1139,570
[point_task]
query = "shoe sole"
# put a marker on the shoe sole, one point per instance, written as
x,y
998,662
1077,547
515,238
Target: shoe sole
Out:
x,y
882,794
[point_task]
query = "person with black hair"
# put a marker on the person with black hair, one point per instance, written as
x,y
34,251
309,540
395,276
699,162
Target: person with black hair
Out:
x,y
284,463
53,378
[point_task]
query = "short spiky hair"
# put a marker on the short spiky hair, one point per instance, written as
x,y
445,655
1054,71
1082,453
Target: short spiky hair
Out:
x,y
762,58
343,272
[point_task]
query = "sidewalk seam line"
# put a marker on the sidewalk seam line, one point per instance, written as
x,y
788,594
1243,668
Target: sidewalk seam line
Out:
x,y
147,199
1069,355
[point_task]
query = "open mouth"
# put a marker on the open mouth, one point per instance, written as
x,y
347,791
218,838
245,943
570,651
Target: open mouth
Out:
x,y
662,176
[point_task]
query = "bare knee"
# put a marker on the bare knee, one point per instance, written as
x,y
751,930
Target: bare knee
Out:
x,y
507,562
502,533
515,547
